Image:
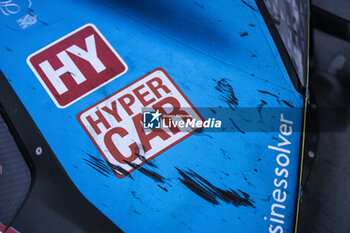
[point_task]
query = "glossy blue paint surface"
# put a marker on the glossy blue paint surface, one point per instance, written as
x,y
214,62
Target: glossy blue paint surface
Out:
x,y
197,43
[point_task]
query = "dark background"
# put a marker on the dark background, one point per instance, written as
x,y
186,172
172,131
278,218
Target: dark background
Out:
x,y
325,205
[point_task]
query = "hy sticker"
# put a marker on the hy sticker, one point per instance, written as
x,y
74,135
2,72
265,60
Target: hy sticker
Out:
x,y
76,65
116,125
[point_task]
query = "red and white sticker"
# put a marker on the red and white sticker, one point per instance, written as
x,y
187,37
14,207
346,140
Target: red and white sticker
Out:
x,y
115,124
4,229
76,65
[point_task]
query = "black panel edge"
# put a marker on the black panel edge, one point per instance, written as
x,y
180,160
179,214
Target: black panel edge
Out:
x,y
330,23
53,204
281,48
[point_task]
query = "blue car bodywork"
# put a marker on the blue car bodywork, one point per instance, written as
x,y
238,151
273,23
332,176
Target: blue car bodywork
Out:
x,y
222,181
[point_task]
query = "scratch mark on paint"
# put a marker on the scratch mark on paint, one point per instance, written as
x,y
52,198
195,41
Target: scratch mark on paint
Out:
x,y
267,93
260,106
99,165
204,189
236,126
151,174
227,92
248,5
164,188
287,103
143,159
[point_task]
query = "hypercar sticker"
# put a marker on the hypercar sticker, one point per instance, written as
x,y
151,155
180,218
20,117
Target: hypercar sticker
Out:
x,y
116,124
